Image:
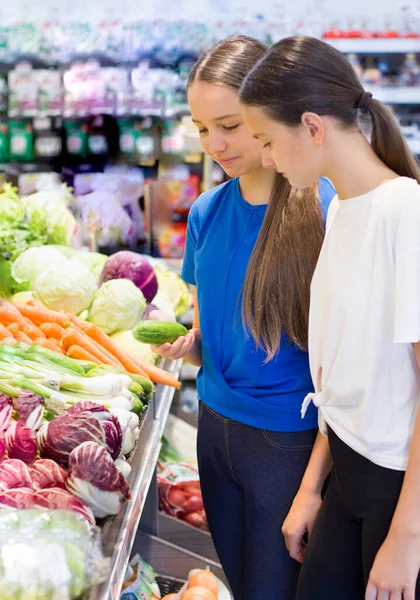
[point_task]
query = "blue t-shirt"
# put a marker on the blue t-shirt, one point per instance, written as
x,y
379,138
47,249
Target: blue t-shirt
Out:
x,y
234,381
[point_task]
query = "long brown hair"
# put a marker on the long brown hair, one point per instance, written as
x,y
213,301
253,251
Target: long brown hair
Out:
x,y
275,296
302,74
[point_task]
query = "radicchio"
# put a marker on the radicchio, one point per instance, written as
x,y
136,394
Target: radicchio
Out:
x,y
21,498
30,409
21,442
6,411
95,479
58,438
14,473
110,423
58,499
46,473
2,449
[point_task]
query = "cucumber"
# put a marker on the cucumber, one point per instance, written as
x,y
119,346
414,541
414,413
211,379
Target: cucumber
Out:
x,y
158,332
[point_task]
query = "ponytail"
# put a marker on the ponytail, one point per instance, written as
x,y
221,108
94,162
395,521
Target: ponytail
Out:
x,y
389,143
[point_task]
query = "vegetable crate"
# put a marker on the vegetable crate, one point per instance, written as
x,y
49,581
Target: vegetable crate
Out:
x,y
169,585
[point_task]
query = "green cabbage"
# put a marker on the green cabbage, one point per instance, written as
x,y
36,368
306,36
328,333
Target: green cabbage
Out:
x,y
175,288
69,286
93,260
117,305
35,261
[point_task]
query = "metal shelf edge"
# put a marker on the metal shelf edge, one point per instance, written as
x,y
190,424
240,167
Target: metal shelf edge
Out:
x,y
110,589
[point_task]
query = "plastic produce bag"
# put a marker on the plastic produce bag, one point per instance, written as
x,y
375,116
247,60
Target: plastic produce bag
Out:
x,y
140,581
48,555
102,212
180,494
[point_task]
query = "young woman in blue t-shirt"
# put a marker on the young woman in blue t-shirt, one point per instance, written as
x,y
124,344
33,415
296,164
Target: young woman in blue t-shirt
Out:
x,y
252,245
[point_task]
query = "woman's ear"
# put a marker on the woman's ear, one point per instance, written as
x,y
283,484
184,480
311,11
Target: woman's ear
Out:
x,y
314,125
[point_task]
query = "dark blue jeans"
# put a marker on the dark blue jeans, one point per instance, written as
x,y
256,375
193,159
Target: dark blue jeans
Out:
x,y
249,478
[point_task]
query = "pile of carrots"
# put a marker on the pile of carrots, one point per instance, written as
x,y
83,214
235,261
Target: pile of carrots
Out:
x,y
33,323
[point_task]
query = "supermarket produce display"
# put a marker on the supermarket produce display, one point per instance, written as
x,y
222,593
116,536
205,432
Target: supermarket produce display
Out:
x,y
83,404
142,583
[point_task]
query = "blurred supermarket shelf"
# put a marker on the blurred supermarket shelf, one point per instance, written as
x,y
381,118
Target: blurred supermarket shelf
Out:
x,y
395,95
414,146
376,45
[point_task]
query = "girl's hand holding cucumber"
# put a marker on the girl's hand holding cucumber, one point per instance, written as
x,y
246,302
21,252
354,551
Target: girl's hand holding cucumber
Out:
x,y
167,338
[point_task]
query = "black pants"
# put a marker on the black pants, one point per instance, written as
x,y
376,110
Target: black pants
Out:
x,y
249,478
352,525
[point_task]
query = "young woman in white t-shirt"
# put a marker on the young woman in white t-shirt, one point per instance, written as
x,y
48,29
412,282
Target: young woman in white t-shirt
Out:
x,y
306,105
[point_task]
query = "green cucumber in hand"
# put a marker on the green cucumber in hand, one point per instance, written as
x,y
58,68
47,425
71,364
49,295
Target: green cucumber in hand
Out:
x,y
158,332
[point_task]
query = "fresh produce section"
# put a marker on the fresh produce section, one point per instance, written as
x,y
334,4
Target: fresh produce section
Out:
x,y
142,583
82,401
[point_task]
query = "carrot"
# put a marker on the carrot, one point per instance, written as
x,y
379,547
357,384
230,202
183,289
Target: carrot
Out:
x,y
100,337
52,330
156,374
4,332
73,319
13,328
73,336
21,337
82,354
48,344
112,359
31,330
10,314
40,315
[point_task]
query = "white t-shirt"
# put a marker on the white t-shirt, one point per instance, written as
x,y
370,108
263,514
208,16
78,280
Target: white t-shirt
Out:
x,y
364,318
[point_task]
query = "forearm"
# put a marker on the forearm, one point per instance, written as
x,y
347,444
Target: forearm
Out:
x,y
406,519
318,468
194,356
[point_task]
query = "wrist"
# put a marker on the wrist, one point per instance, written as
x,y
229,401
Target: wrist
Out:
x,y
406,531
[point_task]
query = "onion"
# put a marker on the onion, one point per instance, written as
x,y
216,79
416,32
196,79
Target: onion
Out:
x,y
198,593
195,519
193,503
204,579
177,498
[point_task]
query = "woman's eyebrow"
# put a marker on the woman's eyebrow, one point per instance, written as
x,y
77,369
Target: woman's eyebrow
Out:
x,y
228,116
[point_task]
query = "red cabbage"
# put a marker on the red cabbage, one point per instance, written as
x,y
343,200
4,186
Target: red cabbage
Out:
x,y
129,265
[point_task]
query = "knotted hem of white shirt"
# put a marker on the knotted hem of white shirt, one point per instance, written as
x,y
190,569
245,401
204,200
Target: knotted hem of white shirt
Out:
x,y
316,397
